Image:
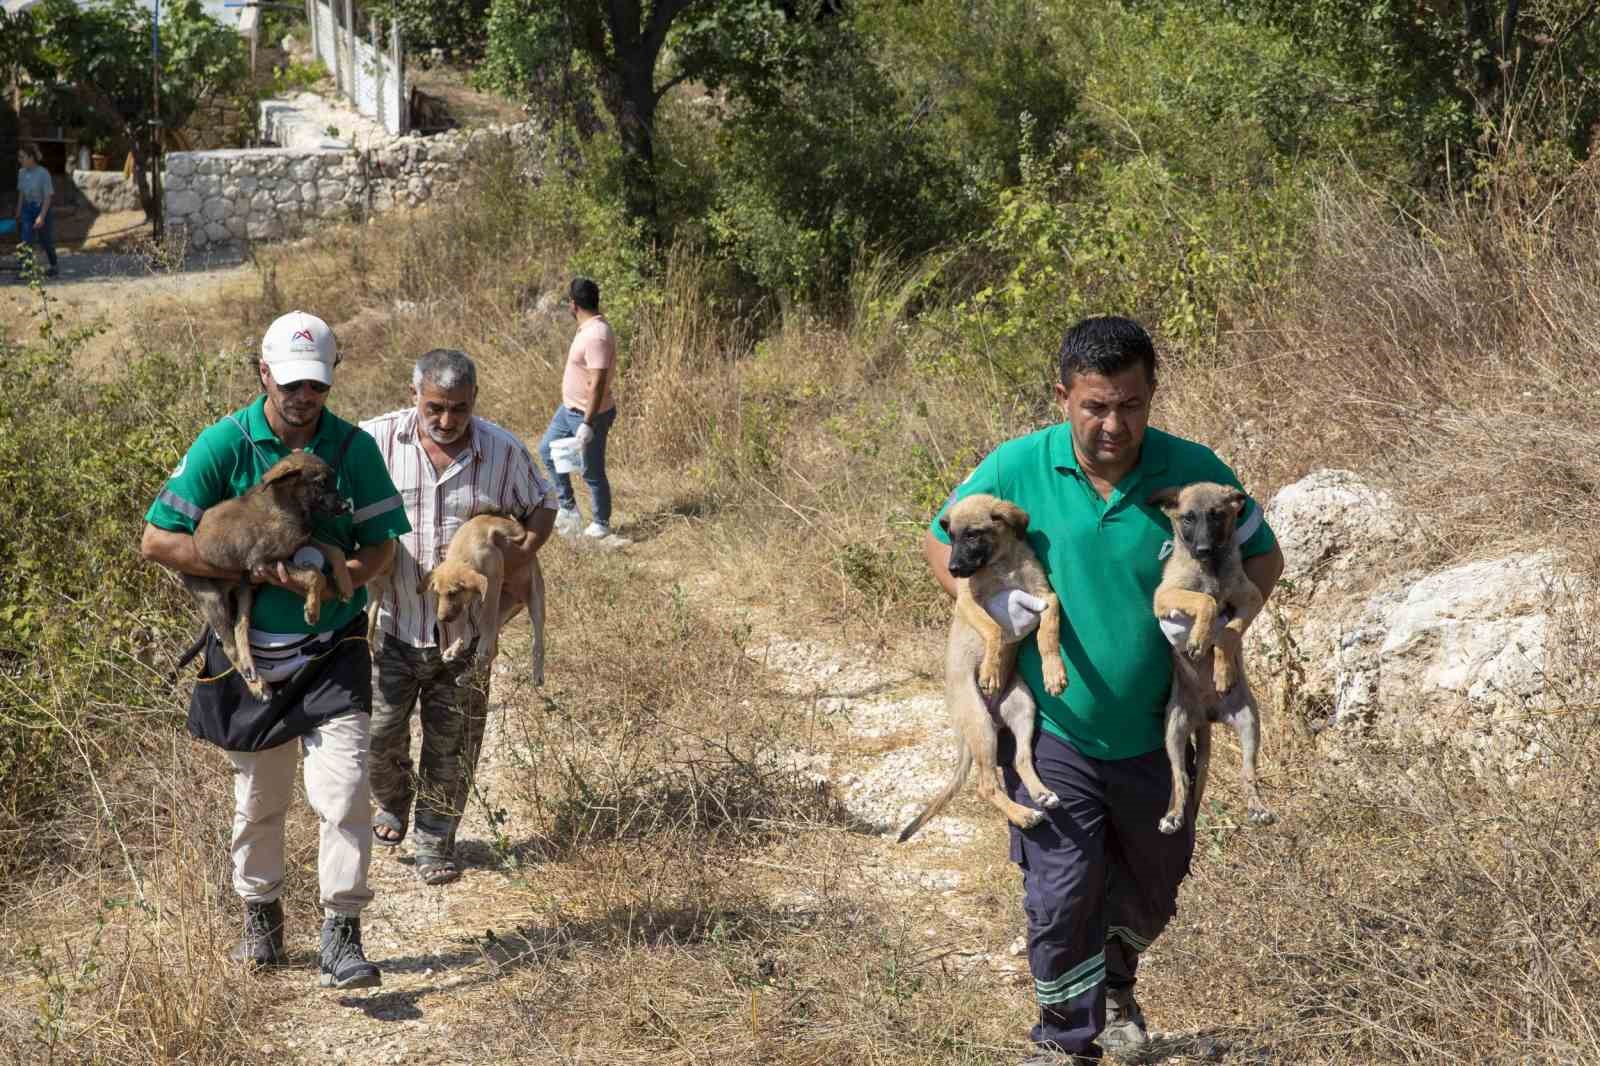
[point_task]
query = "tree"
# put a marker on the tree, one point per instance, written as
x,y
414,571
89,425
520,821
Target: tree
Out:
x,y
553,51
1455,71
91,67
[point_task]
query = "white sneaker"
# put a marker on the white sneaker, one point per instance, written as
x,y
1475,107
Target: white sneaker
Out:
x,y
568,522
597,530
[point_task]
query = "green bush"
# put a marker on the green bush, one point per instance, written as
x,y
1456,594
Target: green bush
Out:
x,y
821,165
457,27
87,629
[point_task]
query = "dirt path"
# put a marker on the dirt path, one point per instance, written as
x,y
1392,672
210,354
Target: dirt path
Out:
x,y
888,752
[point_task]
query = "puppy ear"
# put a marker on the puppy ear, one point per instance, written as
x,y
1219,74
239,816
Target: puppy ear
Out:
x,y
944,522
1166,499
1012,515
1235,499
282,472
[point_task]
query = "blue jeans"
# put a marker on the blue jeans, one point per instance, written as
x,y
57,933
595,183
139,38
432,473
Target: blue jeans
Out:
x,y
33,231
565,424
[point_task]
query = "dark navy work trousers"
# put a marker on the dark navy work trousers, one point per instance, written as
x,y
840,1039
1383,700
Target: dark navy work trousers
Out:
x,y
1099,880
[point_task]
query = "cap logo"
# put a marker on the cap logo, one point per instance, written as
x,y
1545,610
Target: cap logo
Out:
x,y
302,334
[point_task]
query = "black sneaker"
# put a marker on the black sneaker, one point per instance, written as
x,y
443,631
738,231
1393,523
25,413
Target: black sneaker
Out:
x,y
1125,1031
343,964
262,941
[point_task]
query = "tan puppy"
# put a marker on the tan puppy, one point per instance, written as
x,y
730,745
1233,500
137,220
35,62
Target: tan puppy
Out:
x,y
266,525
989,554
469,586
1204,579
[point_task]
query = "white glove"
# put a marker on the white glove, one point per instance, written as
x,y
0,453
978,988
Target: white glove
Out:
x,y
1176,630
1017,611
584,435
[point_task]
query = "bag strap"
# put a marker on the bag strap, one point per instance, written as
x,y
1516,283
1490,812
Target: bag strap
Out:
x,y
244,431
338,460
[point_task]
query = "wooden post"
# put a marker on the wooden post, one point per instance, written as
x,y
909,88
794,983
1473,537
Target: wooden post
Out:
x,y
398,55
377,69
350,32
333,20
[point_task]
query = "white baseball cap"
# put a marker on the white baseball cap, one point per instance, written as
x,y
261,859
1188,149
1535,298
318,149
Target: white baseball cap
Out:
x,y
298,346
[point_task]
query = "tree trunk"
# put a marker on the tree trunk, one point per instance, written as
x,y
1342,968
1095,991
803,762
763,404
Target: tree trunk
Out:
x,y
141,182
635,112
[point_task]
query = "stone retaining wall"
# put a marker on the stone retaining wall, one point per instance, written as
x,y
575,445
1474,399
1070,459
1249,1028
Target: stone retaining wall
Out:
x,y
251,194
106,190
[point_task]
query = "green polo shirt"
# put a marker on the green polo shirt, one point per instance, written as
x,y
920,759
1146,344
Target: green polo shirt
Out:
x,y
1104,560
222,464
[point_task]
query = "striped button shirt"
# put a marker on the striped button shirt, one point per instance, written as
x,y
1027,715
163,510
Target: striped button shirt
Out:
x,y
495,474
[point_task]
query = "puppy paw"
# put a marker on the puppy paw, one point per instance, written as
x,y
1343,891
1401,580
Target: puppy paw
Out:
x,y
1048,800
1029,820
989,676
1224,676
1261,816
1170,824
1198,645
1055,677
313,612
258,688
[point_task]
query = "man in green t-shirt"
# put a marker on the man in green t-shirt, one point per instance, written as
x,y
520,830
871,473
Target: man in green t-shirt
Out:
x,y
321,674
1100,881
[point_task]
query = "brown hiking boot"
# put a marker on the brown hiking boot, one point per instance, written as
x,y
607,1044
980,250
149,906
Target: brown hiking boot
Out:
x,y
1125,1033
262,941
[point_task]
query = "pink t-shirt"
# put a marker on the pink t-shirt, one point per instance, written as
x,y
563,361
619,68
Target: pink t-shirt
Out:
x,y
594,348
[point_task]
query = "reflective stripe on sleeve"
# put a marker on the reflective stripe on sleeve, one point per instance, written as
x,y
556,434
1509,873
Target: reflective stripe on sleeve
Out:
x,y
373,510
1248,527
179,504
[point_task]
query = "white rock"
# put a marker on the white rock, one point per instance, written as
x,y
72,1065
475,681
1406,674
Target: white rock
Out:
x,y
1330,521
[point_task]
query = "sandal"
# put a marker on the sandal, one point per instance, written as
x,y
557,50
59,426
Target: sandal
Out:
x,y
437,869
393,823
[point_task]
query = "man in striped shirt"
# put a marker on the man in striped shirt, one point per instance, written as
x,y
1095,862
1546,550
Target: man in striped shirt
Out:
x,y
448,466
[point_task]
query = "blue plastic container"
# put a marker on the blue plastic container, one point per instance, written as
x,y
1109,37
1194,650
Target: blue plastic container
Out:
x,y
8,227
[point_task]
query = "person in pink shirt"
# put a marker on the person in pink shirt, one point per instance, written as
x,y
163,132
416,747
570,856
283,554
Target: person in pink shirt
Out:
x,y
587,411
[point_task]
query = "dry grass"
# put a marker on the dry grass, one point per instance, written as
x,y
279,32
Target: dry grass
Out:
x,y
688,896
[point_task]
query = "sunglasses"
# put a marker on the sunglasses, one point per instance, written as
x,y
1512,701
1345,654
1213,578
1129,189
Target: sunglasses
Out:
x,y
294,386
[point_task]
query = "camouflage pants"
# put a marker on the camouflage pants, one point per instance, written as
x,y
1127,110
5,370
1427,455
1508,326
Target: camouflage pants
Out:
x,y
453,718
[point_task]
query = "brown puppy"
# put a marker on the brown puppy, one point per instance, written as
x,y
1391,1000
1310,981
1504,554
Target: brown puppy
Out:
x,y
266,525
989,554
474,572
1204,579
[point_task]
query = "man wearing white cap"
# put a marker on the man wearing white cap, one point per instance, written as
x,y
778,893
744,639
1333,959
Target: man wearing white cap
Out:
x,y
320,675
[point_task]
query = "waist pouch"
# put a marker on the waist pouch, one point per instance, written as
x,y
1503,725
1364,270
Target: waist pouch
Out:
x,y
323,676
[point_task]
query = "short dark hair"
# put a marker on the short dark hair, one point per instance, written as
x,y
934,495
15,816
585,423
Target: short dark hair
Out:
x,y
31,150
585,293
1106,345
